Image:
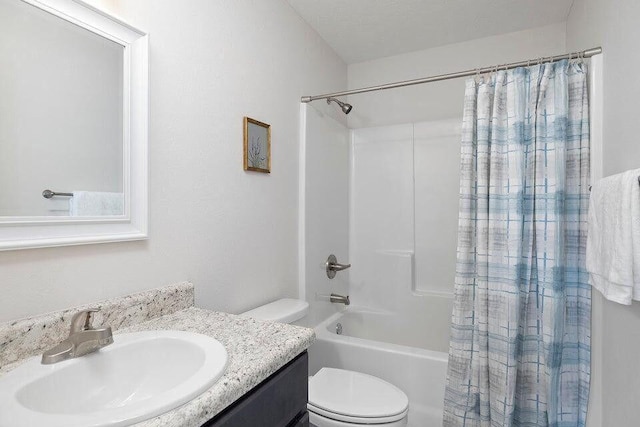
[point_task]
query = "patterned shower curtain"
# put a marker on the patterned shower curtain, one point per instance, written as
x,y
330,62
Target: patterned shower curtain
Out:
x,y
520,338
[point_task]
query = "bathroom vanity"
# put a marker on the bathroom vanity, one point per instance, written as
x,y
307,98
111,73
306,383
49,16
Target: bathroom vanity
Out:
x,y
265,380
279,401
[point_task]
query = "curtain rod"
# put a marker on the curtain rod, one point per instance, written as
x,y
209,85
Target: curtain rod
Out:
x,y
582,54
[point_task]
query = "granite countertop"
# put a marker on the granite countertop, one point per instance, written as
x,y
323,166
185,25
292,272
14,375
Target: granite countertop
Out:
x,y
256,350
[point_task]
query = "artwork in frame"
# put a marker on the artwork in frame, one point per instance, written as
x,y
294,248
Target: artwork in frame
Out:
x,y
257,146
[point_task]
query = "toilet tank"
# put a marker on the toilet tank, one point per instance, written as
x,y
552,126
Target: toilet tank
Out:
x,y
284,310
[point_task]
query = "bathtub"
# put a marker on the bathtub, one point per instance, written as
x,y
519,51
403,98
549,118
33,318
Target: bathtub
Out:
x,y
392,347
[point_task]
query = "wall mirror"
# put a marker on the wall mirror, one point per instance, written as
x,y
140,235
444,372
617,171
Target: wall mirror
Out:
x,y
73,125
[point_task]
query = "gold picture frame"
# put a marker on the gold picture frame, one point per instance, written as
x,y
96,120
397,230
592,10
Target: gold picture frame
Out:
x,y
257,146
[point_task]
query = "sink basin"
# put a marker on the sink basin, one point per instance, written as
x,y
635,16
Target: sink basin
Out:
x,y
140,376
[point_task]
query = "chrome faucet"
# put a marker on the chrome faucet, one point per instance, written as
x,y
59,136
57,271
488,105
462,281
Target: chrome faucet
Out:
x,y
340,299
83,339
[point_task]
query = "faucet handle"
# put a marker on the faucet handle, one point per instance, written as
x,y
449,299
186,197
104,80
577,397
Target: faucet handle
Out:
x,y
332,265
81,321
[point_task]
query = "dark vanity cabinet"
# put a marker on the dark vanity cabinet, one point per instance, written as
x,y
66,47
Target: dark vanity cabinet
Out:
x,y
279,401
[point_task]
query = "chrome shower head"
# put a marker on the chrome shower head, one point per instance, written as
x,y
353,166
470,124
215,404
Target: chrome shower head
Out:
x,y
346,108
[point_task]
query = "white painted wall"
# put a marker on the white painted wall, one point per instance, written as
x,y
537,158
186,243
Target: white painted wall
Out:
x,y
231,232
60,111
613,24
440,100
324,210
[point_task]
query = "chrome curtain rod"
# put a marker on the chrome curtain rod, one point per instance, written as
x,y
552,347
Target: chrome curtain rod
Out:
x,y
583,54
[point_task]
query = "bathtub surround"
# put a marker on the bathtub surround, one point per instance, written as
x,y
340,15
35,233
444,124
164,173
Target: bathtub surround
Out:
x,y
404,177
520,337
324,207
256,349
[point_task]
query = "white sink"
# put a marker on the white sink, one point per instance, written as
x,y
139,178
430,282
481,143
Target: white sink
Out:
x,y
141,375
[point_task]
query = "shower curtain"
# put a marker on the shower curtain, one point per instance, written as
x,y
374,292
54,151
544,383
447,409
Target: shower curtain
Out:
x,y
520,339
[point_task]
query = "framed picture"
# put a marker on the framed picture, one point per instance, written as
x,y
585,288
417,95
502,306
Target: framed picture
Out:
x,y
257,146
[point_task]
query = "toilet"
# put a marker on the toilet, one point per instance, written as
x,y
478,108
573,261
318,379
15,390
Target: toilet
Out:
x,y
338,397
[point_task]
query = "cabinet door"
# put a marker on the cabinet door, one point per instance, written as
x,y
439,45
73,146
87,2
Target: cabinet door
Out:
x,y
278,401
302,422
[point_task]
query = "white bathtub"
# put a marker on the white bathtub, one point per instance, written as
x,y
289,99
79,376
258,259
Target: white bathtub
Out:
x,y
394,347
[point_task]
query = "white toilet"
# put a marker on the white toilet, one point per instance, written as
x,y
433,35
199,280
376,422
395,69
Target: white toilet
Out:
x,y
337,397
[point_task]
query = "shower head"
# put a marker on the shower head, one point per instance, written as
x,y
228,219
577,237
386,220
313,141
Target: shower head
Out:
x,y
346,108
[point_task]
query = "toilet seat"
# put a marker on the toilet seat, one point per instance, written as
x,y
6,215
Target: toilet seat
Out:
x,y
357,420
355,398
320,421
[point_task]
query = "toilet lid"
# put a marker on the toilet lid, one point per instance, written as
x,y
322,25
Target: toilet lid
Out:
x,y
344,395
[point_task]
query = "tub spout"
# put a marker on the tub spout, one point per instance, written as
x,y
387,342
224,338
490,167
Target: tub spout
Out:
x,y
335,298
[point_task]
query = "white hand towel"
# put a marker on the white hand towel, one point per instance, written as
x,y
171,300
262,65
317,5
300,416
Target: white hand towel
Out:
x,y
613,244
94,203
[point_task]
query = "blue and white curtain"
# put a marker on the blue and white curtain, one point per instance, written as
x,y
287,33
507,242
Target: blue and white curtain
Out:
x,y
520,338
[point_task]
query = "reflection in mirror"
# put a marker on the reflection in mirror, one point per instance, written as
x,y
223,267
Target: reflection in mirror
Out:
x,y
61,116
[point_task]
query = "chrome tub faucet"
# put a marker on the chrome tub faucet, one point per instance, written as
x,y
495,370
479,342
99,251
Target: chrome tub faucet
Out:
x,y
83,339
335,298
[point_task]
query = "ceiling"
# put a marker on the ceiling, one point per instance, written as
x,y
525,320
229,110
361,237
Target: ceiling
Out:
x,y
360,30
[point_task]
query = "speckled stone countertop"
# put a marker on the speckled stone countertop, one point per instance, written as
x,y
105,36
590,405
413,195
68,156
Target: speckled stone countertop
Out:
x,y
256,349
28,337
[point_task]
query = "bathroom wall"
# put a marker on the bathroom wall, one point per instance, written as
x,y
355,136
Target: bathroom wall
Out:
x,y
232,233
324,206
613,24
441,100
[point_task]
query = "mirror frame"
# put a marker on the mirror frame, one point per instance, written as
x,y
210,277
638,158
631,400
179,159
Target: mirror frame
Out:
x,y
47,231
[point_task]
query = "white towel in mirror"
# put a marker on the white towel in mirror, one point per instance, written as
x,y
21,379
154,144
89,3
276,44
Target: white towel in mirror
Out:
x,y
94,203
